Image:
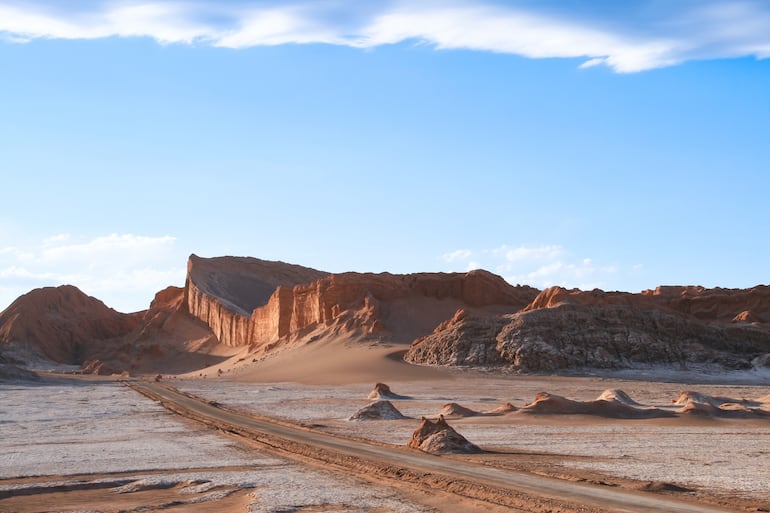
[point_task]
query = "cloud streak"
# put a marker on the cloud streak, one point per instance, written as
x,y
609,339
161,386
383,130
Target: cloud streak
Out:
x,y
669,33
539,266
124,270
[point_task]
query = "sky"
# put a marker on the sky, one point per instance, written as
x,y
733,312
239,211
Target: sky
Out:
x,y
590,144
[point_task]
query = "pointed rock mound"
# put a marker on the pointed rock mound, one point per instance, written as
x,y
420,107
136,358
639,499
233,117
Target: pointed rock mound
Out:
x,y
438,437
383,391
455,410
378,410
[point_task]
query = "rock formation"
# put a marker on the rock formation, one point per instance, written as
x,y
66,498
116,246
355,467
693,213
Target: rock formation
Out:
x,y
545,403
502,409
254,302
564,329
62,324
454,410
383,391
378,410
458,319
438,437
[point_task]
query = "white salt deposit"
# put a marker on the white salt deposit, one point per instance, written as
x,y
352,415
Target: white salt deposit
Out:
x,y
65,428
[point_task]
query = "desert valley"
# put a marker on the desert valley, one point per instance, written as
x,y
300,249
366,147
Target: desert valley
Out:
x,y
262,386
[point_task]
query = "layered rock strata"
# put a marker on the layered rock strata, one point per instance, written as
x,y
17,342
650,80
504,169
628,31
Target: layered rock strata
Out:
x,y
564,329
303,298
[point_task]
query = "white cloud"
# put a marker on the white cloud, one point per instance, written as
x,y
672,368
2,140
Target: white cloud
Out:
x,y
668,34
540,266
124,270
458,255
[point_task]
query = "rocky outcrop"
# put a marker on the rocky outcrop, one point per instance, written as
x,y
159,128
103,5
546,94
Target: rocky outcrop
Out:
x,y
454,410
564,329
383,391
717,304
378,410
438,437
224,292
62,324
291,300
166,340
465,339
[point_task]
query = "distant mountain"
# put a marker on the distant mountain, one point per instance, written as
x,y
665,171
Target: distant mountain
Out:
x,y
239,307
62,324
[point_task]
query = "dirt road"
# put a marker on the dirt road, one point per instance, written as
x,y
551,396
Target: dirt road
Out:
x,y
526,492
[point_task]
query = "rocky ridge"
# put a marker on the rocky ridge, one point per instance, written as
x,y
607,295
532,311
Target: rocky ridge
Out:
x,y
564,329
348,303
456,319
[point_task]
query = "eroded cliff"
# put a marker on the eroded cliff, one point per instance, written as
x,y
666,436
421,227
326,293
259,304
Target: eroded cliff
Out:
x,y
220,292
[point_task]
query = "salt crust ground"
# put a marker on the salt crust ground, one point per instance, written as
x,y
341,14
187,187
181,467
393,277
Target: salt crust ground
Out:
x,y
62,429
720,454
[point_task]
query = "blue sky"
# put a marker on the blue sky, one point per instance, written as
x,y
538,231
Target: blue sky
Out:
x,y
619,145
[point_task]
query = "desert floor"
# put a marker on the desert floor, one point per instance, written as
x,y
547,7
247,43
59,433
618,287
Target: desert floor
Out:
x,y
95,445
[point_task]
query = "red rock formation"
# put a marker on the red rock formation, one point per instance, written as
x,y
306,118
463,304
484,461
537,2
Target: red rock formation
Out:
x,y
564,329
440,438
348,302
62,324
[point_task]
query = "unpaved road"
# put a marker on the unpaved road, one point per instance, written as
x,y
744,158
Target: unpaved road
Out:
x,y
517,490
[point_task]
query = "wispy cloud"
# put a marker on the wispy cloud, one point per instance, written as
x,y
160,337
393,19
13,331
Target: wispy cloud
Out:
x,y
124,270
536,265
621,38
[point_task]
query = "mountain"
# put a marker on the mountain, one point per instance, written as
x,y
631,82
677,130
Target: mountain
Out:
x,y
62,324
241,310
250,302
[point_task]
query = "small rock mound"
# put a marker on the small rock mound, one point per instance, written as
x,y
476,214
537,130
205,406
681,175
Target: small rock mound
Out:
x,y
456,410
440,438
383,391
697,397
502,409
732,410
378,410
618,395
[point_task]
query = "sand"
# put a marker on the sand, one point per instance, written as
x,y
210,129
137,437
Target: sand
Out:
x,y
721,459
98,432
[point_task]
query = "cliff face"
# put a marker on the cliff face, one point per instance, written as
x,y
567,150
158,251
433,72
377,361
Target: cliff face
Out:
x,y
570,328
302,298
225,293
62,324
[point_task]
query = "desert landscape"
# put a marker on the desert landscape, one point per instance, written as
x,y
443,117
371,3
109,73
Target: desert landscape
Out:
x,y
660,396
